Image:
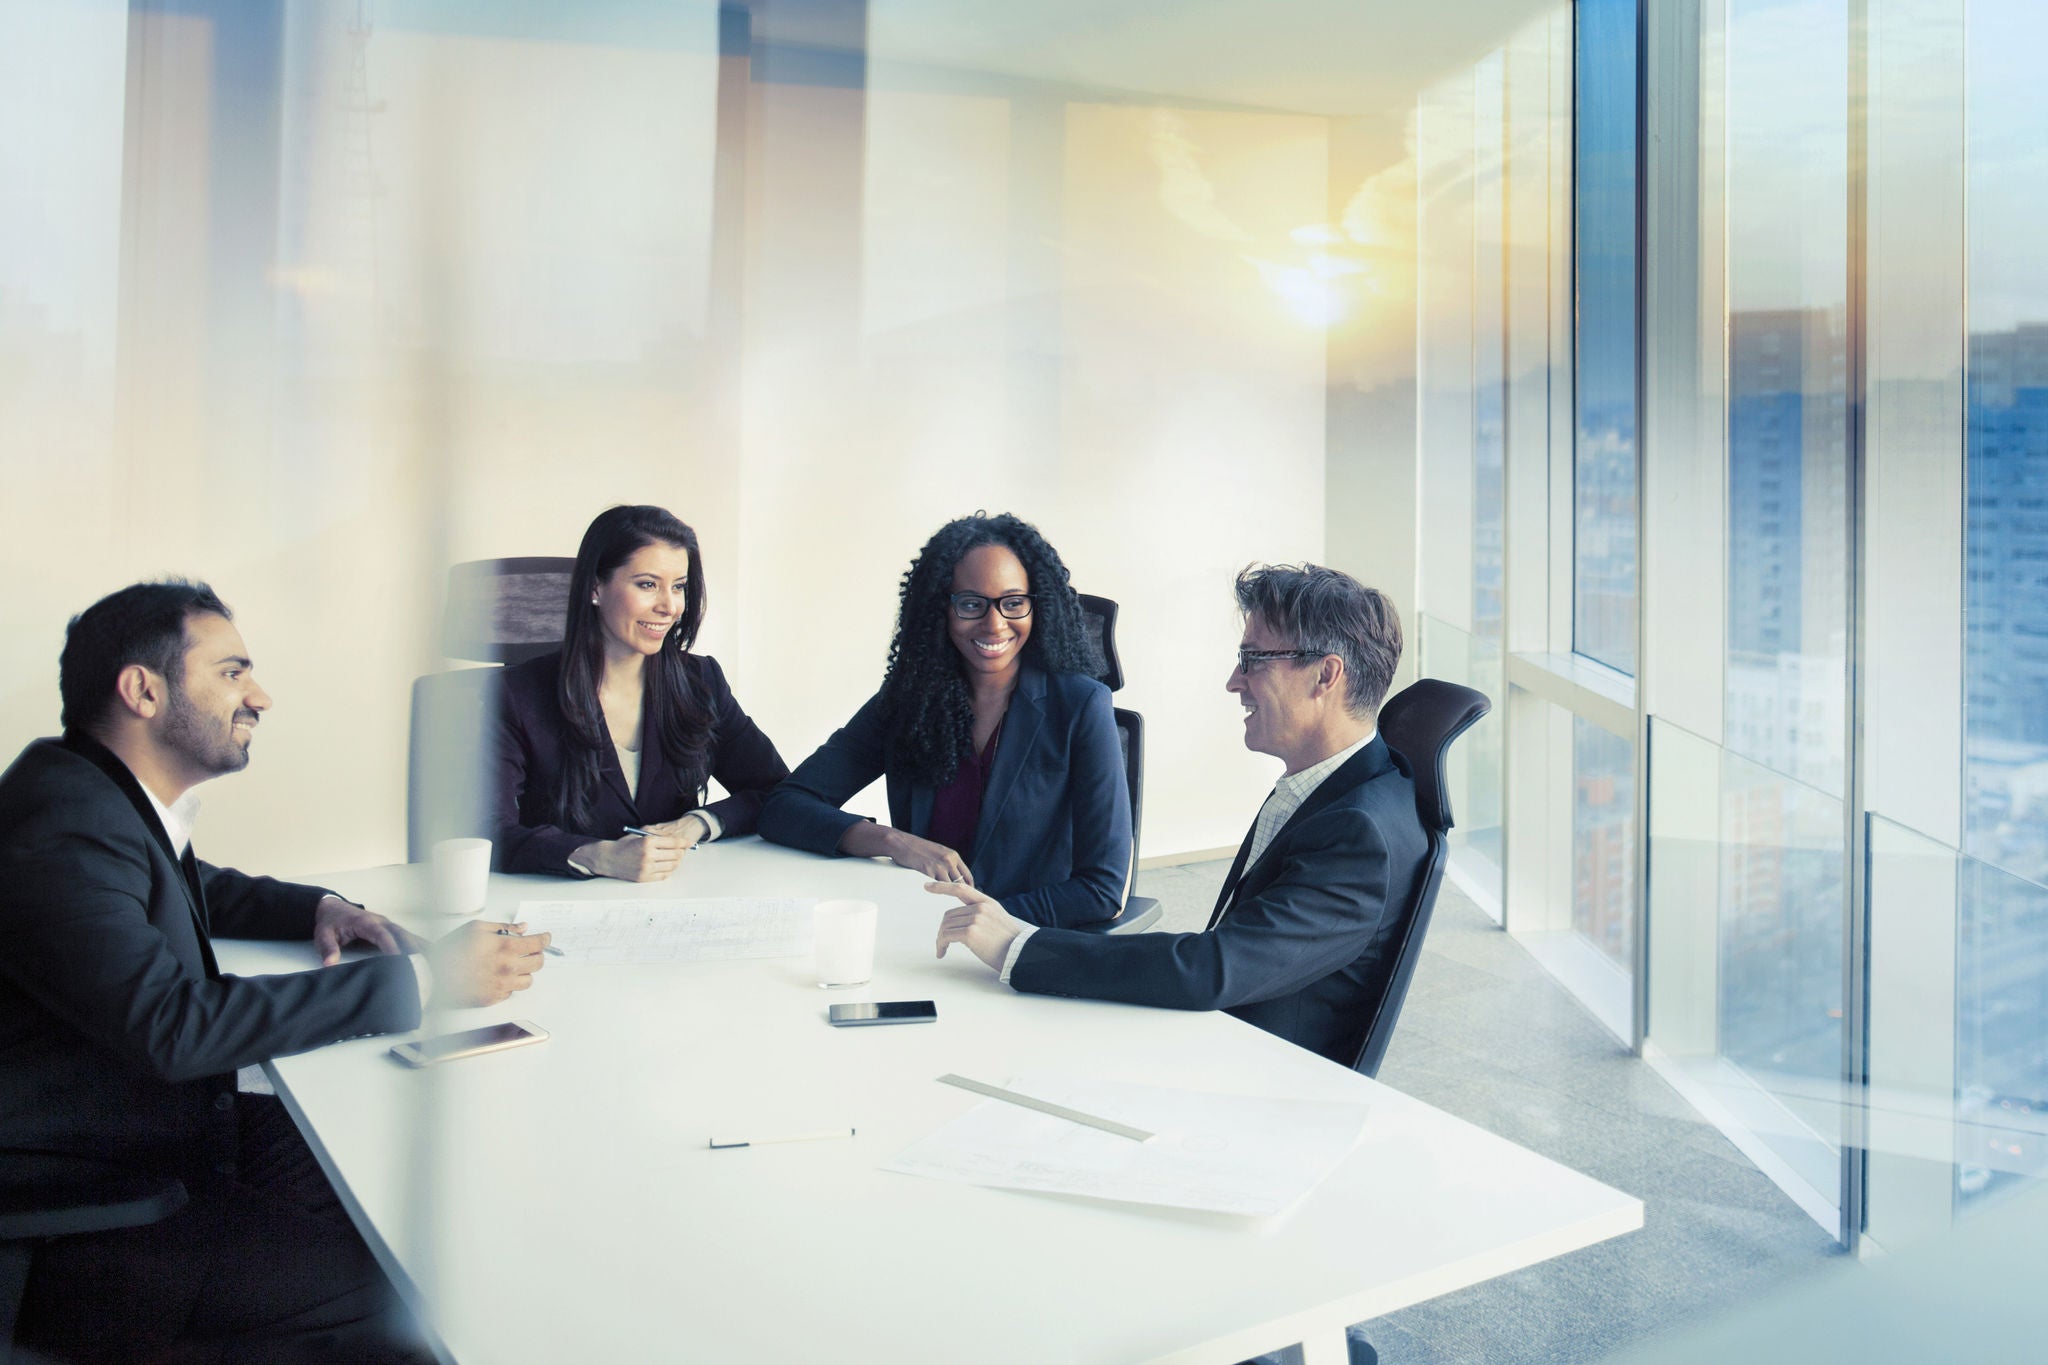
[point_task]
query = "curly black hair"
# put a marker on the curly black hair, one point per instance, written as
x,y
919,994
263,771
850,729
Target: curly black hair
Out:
x,y
925,697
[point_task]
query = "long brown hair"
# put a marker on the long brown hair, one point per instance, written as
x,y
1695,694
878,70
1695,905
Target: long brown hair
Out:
x,y
678,721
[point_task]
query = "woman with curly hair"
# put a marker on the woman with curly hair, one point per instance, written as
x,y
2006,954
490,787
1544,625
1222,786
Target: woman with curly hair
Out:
x,y
603,749
999,746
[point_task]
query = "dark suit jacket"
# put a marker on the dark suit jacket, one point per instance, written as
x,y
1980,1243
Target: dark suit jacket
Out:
x,y
119,1037
1304,939
531,735
1054,842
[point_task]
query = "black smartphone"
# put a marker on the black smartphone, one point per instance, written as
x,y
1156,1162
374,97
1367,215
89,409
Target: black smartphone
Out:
x,y
490,1038
884,1012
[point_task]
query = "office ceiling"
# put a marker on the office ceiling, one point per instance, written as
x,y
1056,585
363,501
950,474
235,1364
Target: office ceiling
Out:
x,y
1328,57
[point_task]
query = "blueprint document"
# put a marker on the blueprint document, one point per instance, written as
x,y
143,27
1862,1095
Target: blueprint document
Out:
x,y
1238,1154
606,933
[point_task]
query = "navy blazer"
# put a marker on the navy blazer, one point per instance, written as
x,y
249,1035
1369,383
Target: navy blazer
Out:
x,y
531,746
119,1037
1302,941
1054,841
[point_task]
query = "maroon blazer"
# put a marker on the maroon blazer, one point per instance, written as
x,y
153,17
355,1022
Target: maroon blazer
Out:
x,y
531,737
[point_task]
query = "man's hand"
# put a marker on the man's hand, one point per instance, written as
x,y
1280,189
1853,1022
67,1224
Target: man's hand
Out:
x,y
478,965
936,861
338,923
979,922
638,858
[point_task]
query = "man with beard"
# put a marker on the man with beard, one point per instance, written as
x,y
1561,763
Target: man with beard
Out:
x,y
120,1038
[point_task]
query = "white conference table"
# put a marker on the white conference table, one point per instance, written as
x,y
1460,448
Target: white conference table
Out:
x,y
558,1202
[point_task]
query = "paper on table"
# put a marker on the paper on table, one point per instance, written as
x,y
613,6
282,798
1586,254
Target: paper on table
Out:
x,y
1240,1154
621,932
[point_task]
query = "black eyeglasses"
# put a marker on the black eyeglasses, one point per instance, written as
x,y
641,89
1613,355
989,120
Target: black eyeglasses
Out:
x,y
1248,660
972,606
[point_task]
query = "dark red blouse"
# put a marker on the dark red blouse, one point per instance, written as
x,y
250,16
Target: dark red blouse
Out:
x,y
956,807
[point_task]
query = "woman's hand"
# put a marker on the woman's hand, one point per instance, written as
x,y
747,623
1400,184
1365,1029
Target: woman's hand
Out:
x,y
690,830
636,858
936,861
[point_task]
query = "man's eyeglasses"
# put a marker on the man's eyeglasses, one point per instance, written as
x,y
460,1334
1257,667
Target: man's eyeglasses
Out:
x,y
1250,660
972,606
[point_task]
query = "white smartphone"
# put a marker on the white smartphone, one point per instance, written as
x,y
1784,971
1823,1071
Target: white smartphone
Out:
x,y
468,1043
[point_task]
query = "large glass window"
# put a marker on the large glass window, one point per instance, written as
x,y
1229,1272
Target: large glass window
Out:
x,y
2002,948
1787,548
1604,453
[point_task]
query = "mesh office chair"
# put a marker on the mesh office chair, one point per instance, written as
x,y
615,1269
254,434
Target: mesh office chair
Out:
x,y
1140,912
500,611
44,1195
1419,723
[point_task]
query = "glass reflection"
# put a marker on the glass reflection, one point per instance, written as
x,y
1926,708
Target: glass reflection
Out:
x,y
1781,948
1603,840
1782,893
2002,957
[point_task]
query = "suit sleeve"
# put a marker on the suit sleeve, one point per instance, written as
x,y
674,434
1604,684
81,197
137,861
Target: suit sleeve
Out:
x,y
744,760
804,811
515,846
241,906
1320,912
1099,805
80,943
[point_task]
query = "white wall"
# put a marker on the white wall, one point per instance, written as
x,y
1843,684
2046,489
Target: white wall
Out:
x,y
1092,314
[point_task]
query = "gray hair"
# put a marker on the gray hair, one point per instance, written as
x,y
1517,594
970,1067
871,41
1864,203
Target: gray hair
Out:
x,y
1330,612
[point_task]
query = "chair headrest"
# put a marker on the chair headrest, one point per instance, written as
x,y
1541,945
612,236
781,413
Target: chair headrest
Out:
x,y
1100,613
1419,722
506,610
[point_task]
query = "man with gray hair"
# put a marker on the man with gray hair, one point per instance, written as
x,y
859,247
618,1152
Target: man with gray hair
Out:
x,y
1300,940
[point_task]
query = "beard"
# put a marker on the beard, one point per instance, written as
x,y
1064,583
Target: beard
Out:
x,y
206,741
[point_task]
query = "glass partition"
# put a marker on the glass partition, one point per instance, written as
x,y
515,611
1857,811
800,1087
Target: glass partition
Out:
x,y
1572,865
1958,1059
1747,905
2001,1042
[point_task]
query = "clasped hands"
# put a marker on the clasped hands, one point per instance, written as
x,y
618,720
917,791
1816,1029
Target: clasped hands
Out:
x,y
473,965
649,857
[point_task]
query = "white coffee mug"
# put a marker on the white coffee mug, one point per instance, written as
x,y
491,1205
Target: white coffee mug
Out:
x,y
462,875
845,938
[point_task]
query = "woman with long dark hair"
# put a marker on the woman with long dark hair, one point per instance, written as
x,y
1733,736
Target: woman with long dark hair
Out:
x,y
999,746
603,749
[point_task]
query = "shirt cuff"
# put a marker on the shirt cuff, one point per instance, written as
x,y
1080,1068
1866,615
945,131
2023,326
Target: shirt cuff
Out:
x,y
1016,947
711,822
425,976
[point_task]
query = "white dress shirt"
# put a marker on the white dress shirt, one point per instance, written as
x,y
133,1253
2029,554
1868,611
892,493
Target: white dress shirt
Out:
x,y
178,819
1293,789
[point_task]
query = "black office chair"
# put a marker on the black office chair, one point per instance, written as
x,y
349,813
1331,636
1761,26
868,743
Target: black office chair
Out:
x,y
506,611
500,611
1419,723
44,1195
1140,912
